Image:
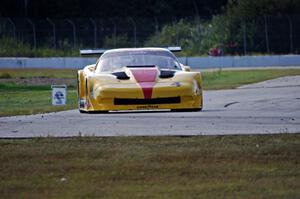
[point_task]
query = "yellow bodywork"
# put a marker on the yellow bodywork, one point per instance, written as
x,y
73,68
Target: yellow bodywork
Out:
x,y
100,91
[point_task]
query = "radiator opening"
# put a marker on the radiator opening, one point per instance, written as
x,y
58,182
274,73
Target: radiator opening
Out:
x,y
166,100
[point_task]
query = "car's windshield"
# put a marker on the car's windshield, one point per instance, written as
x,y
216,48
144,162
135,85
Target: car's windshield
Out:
x,y
116,60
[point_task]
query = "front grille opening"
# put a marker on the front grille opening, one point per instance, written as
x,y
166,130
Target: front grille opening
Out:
x,y
166,100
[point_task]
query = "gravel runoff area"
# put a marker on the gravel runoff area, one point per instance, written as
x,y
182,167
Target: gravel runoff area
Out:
x,y
268,107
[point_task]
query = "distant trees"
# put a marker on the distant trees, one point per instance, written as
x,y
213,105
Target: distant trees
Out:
x,y
241,28
235,26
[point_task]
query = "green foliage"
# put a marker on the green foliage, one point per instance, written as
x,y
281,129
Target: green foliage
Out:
x,y
121,41
215,34
195,37
241,19
184,33
246,18
10,47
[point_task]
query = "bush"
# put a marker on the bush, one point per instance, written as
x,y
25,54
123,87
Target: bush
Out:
x,y
120,41
195,38
10,47
183,33
241,20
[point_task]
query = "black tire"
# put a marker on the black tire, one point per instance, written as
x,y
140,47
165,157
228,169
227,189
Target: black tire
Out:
x,y
97,112
92,112
187,110
82,111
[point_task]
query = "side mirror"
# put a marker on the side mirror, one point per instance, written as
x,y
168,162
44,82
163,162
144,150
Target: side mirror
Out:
x,y
186,68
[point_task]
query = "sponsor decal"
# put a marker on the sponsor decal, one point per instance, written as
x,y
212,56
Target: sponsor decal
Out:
x,y
177,84
59,97
147,107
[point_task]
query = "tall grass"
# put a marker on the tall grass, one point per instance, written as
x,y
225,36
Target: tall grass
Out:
x,y
10,47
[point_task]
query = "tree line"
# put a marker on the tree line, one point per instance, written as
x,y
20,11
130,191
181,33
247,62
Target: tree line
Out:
x,y
244,27
235,26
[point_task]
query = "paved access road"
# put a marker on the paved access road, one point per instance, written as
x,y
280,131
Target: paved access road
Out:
x,y
267,107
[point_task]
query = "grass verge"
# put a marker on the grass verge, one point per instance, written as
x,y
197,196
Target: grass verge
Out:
x,y
220,79
24,102
261,166
27,91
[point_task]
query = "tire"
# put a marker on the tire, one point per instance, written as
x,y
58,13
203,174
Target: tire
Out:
x,y
187,110
82,111
97,112
92,112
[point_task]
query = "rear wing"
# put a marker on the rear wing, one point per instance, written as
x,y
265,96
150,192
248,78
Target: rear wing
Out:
x,y
90,52
174,48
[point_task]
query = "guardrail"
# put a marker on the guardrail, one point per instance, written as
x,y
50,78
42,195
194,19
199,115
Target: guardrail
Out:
x,y
53,62
241,61
194,62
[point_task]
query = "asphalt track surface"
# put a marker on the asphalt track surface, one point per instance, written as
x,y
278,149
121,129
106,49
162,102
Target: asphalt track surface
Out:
x,y
268,107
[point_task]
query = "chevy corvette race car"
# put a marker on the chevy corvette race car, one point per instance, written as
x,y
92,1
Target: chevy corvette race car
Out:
x,y
138,79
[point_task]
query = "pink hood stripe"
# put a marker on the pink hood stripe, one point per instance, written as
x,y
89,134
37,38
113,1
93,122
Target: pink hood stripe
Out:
x,y
146,79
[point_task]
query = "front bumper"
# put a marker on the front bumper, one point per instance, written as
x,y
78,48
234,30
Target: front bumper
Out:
x,y
114,104
131,97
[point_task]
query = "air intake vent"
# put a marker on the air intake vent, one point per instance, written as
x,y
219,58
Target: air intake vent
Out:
x,y
166,73
121,75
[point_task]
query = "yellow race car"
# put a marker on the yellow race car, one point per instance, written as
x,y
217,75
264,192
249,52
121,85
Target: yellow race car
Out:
x,y
138,79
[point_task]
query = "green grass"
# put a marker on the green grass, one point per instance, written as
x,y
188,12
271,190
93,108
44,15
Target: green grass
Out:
x,y
264,166
7,87
226,79
23,102
18,99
